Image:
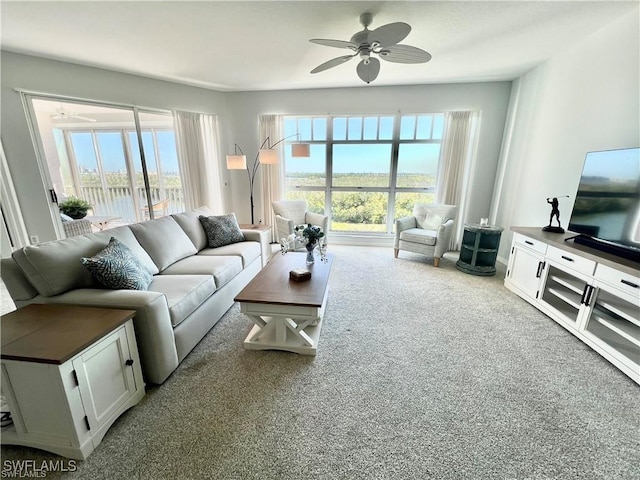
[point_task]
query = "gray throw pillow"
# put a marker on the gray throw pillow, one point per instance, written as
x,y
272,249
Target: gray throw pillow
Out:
x,y
116,267
221,230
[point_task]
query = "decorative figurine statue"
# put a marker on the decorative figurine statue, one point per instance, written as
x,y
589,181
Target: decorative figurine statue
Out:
x,y
555,212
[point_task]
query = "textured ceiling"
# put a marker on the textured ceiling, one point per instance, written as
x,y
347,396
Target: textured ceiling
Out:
x,y
238,46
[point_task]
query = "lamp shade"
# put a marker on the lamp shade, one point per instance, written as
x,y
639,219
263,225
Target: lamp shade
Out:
x,y
268,156
236,162
300,150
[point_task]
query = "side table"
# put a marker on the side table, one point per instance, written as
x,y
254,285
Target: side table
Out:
x,y
479,249
265,238
68,372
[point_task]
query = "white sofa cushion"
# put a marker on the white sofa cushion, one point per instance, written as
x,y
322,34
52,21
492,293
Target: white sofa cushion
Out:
x,y
222,269
164,241
54,267
185,293
190,223
247,251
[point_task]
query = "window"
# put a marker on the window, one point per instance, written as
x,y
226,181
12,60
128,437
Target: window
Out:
x,y
364,171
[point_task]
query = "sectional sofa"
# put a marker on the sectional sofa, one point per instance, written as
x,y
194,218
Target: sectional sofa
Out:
x,y
191,288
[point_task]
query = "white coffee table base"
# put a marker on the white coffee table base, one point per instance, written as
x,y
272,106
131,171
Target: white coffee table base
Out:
x,y
284,327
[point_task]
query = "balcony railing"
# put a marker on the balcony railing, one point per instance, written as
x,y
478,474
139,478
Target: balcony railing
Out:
x,y
118,201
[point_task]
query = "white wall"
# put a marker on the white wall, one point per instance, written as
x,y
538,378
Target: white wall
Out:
x,y
52,77
584,99
491,98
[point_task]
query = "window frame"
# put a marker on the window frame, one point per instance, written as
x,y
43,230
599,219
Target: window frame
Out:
x,y
392,189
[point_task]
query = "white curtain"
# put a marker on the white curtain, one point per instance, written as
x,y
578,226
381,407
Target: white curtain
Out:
x,y
272,175
198,143
455,159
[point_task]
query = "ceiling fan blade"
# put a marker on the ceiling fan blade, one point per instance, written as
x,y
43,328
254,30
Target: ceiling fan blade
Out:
x,y
334,43
404,54
389,34
334,62
368,72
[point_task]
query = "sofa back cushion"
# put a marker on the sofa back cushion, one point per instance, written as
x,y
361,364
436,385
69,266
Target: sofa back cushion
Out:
x,y
55,267
164,241
191,225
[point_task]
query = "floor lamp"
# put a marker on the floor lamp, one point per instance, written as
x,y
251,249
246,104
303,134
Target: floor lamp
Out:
x,y
266,155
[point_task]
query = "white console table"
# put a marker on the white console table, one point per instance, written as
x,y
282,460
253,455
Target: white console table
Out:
x,y
594,295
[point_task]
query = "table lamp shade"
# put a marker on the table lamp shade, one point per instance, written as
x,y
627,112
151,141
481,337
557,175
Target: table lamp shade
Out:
x,y
236,162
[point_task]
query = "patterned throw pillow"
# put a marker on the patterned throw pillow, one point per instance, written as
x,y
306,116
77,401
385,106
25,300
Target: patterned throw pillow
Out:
x,y
117,267
221,230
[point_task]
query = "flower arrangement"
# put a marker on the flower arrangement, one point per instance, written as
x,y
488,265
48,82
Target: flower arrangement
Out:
x,y
312,233
308,235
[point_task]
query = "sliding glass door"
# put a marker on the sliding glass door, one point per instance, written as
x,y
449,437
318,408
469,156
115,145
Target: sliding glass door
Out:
x,y
92,151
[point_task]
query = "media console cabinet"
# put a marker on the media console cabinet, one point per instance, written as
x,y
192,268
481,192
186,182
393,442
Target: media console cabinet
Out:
x,y
594,295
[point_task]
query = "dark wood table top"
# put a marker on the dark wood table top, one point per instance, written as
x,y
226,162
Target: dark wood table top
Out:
x,y
272,284
53,333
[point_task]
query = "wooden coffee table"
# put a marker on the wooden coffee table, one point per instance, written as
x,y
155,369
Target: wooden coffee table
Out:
x,y
287,314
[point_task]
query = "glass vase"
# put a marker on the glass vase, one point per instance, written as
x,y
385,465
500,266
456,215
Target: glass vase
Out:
x,y
310,258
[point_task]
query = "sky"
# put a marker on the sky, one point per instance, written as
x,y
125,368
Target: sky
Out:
x,y
112,153
360,157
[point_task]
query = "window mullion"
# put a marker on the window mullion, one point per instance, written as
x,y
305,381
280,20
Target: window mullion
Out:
x,y
101,174
131,171
73,163
328,169
395,150
162,193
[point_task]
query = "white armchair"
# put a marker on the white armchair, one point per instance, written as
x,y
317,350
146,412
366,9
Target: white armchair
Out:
x,y
290,213
428,231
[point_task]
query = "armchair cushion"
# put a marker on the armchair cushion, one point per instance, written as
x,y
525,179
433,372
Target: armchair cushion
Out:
x,y
430,217
419,235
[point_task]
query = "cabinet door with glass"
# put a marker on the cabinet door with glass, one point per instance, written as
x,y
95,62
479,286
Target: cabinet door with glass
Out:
x,y
565,294
613,324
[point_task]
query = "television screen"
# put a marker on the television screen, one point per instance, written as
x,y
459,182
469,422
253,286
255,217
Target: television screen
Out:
x,y
607,204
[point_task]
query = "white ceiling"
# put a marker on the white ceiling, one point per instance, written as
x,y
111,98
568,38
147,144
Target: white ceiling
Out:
x,y
263,45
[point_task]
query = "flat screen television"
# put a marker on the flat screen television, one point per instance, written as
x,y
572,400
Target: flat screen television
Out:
x,y
606,212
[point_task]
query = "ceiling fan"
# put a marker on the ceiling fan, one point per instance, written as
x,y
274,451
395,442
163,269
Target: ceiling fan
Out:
x,y
383,41
63,114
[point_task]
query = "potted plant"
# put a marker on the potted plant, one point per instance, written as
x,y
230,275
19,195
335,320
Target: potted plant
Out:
x,y
75,207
